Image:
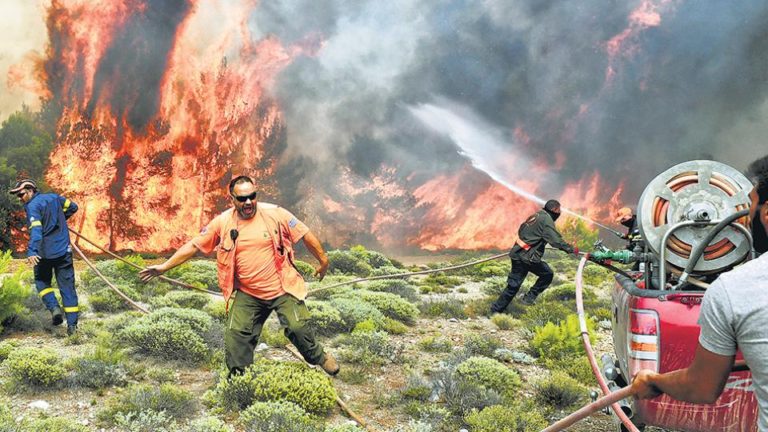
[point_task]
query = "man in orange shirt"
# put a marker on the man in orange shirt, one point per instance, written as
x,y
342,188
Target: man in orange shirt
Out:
x,y
254,254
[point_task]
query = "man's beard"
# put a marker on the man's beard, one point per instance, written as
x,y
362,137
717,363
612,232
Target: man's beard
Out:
x,y
759,236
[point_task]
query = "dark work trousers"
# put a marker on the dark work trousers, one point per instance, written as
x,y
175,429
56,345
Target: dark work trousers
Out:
x,y
65,279
515,279
247,315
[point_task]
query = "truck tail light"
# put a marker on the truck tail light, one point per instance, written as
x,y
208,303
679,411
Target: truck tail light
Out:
x,y
643,340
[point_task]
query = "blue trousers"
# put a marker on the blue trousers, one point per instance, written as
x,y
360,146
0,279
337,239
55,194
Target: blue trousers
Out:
x,y
65,277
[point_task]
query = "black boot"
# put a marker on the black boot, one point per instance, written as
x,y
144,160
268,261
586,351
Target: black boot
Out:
x,y
57,316
235,371
71,329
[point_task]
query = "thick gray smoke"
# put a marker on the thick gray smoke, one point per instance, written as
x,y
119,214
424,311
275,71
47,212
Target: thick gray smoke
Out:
x,y
693,86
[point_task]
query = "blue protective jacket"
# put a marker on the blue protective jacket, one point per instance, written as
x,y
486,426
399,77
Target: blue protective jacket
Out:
x,y
47,215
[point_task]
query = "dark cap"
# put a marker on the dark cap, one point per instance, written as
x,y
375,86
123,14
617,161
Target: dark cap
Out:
x,y
23,184
552,205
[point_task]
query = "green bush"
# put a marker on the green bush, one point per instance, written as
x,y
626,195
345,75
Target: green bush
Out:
x,y
372,258
494,286
348,263
173,401
505,419
399,287
268,380
13,292
487,269
541,313
6,348
436,344
199,273
50,424
198,321
182,299
144,421
325,319
273,336
566,292
176,334
35,367
416,388
353,311
576,366
555,341
106,300
366,326
491,374
504,321
207,424
441,279
559,391
394,327
595,275
450,307
278,416
391,305
98,374
462,395
481,345
387,271
217,309
370,348
306,270
103,366
126,268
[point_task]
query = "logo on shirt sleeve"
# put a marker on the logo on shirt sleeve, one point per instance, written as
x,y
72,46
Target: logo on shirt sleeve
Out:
x,y
293,222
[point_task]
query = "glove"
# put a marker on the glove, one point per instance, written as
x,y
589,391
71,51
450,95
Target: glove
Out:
x,y
575,250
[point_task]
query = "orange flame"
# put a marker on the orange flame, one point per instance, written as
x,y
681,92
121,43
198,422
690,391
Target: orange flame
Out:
x,y
150,184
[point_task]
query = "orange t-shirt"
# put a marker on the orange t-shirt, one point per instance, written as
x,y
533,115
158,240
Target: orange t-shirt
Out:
x,y
255,270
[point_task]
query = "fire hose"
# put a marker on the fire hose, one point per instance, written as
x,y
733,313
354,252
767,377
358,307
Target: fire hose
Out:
x,y
610,398
138,307
138,267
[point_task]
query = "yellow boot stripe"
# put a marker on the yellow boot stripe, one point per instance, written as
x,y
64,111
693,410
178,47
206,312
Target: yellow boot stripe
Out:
x,y
66,205
45,291
36,224
71,309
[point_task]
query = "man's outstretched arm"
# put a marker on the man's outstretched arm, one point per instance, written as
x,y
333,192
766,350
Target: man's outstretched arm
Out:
x,y
179,257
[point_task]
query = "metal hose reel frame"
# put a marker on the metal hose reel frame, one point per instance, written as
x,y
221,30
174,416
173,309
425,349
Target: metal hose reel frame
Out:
x,y
678,208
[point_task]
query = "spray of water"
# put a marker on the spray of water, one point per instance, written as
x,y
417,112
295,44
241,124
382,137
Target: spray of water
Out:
x,y
482,145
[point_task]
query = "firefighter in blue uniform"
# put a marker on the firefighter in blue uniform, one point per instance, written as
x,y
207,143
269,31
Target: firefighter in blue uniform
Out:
x,y
49,250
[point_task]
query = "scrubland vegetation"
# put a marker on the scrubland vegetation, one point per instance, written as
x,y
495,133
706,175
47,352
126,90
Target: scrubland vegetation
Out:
x,y
417,355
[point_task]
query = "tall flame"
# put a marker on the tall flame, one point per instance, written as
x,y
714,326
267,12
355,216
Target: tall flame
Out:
x,y
156,117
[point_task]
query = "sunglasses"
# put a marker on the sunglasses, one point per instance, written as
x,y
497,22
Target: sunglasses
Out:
x,y
245,198
20,194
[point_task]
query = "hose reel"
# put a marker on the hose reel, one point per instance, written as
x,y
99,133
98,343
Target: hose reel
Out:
x,y
681,205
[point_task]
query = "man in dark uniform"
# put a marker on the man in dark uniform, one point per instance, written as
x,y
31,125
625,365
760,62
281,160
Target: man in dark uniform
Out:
x,y
49,250
533,236
627,217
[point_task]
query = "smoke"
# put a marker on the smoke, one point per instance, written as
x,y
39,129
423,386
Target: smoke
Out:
x,y
680,80
573,100
22,42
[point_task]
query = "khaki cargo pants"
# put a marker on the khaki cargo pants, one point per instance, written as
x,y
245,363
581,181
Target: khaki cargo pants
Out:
x,y
246,318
